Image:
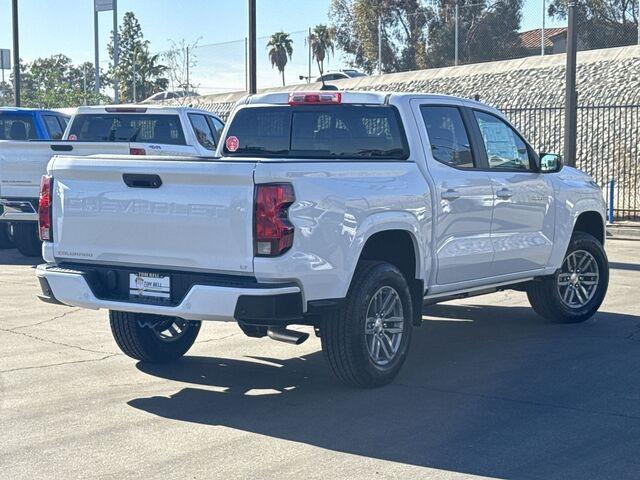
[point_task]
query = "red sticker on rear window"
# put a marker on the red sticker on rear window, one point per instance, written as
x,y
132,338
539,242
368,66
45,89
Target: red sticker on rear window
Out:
x,y
73,137
232,143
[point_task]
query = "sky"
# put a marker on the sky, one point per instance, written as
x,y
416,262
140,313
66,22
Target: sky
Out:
x,y
48,27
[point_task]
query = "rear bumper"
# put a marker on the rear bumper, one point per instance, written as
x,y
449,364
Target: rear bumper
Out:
x,y
263,304
18,209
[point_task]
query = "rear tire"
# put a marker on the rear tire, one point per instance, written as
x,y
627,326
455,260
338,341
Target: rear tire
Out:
x,y
5,238
360,340
149,338
575,292
25,237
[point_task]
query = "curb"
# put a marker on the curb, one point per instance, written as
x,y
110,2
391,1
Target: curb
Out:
x,y
623,233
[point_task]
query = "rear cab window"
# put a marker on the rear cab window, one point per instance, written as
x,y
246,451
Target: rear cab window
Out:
x,y
127,127
17,127
344,131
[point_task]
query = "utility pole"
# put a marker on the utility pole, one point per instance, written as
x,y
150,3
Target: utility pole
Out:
x,y
96,85
570,106
116,52
379,44
455,61
544,15
16,53
252,47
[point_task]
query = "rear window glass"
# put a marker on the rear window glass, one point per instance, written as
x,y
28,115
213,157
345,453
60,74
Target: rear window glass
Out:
x,y
17,127
328,131
127,127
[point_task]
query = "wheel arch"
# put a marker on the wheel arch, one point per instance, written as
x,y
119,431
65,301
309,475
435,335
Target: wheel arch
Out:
x,y
398,243
591,222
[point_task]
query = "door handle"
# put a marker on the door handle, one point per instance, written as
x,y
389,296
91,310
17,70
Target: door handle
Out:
x,y
142,180
504,193
450,194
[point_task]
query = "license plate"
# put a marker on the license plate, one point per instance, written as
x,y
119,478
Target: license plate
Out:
x,y
143,284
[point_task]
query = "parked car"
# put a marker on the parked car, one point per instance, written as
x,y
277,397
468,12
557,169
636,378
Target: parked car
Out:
x,y
340,74
96,130
344,211
170,95
20,124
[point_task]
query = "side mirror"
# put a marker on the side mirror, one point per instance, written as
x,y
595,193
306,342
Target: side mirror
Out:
x,y
550,162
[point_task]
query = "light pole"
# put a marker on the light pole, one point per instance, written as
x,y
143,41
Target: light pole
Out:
x,y
570,106
116,52
16,53
544,15
379,44
455,62
252,47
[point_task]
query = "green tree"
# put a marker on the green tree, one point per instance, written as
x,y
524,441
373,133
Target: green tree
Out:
x,y
487,31
602,23
280,47
403,32
321,41
135,63
54,82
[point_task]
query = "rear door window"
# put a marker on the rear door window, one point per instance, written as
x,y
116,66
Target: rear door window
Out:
x,y
448,136
202,130
54,128
127,127
344,131
17,127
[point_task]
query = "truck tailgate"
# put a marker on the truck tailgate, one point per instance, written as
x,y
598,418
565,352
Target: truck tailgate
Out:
x,y
22,164
194,215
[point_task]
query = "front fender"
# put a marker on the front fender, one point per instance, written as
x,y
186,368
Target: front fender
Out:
x,y
576,193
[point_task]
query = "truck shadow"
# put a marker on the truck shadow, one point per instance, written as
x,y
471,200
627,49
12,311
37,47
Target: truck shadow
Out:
x,y
12,256
487,390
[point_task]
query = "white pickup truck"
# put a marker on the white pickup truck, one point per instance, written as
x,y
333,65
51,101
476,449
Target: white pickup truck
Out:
x,y
118,129
344,211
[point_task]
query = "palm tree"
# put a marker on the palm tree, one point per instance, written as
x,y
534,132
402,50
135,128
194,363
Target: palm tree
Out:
x,y
321,40
281,48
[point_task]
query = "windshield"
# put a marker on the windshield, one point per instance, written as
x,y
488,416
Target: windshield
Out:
x,y
127,127
344,131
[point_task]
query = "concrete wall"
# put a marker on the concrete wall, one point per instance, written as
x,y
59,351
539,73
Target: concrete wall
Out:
x,y
608,76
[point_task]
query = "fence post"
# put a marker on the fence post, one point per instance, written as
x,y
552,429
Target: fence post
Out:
x,y
612,184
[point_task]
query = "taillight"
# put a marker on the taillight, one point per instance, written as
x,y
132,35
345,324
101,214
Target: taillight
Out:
x,y
314,98
273,233
44,209
137,151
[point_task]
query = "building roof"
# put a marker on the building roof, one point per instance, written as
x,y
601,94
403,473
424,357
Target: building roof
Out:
x,y
531,38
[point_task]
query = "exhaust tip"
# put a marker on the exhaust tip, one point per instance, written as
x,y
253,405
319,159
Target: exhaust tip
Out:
x,y
287,336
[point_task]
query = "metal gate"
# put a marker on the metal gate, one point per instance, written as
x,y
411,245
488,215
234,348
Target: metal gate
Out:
x,y
608,147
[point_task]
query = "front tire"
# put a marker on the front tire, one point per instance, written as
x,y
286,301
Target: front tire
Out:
x,y
152,338
575,292
366,341
25,237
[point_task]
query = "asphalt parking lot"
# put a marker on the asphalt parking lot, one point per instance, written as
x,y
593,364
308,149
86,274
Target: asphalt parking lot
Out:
x,y
489,390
